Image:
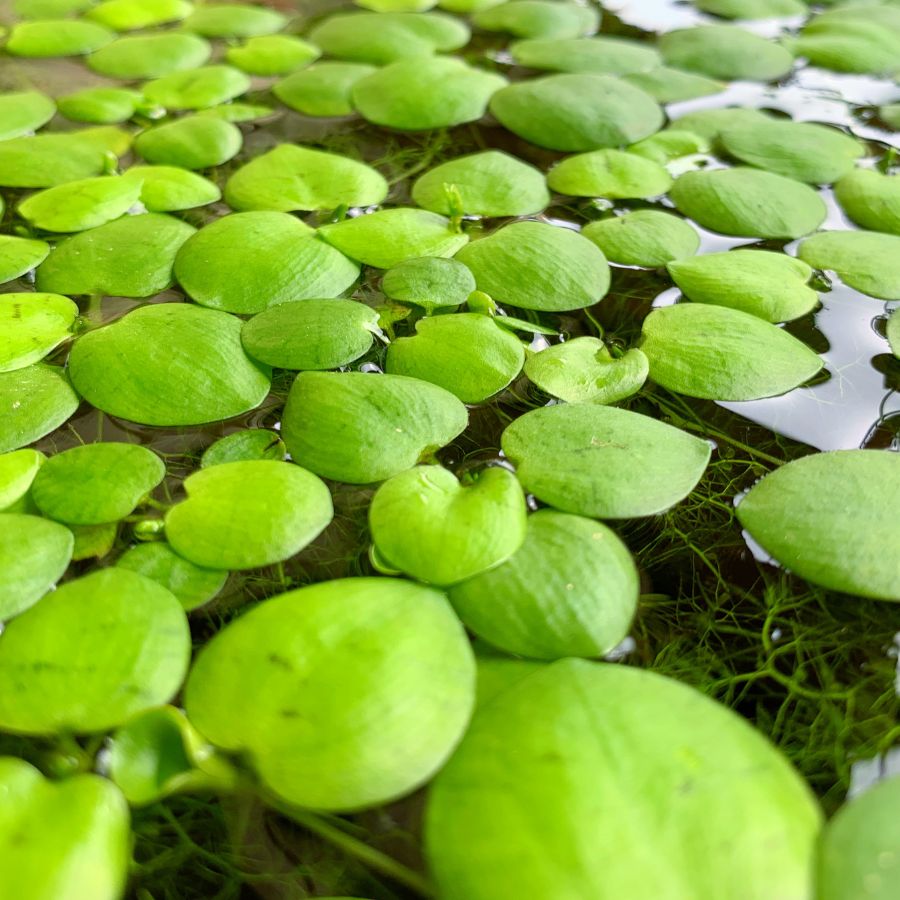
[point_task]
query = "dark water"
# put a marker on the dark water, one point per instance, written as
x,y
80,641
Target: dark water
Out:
x,y
815,671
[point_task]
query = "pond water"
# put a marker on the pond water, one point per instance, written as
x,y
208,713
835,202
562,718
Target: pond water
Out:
x,y
816,672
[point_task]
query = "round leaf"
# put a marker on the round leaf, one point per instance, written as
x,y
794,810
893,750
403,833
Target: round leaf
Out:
x,y
262,258
490,183
96,483
280,509
389,236
577,112
609,173
827,516
33,402
169,364
56,37
667,85
23,112
91,654
323,89
20,255
129,257
45,160
749,203
252,443
645,237
429,281
311,334
539,19
359,428
859,46
169,189
870,199
79,205
369,685
468,354
576,758
866,260
417,94
194,142
275,54
150,55
289,178
32,325
34,554
70,840
570,590
100,105
583,370
534,265
602,55
231,20
603,462
197,88
17,471
718,353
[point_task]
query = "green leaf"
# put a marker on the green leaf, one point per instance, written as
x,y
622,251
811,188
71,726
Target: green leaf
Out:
x,y
865,260
381,38
609,173
577,112
48,9
23,112
34,554
870,199
725,52
753,9
323,89
749,203
890,113
17,471
262,258
570,590
33,402
422,93
238,112
826,518
858,46
645,237
369,685
32,325
360,428
817,154
169,188
96,483
468,354
197,88
169,364
428,525
252,443
566,772
290,178
91,654
539,19
276,54
603,462
858,850
280,509
57,37
45,160
234,20
667,85
192,585
194,142
100,105
490,183
710,123
718,353
19,256
129,15
389,236
602,55
429,281
129,257
93,541
582,370
772,286
67,840
893,333
150,55
79,205
311,334
664,146
533,265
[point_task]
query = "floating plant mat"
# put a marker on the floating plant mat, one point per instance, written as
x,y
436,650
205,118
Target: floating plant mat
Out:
x,y
382,448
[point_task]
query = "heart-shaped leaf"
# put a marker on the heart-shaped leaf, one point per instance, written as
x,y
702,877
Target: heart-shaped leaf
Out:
x,y
431,282
33,324
252,443
360,428
645,237
323,89
169,189
429,525
826,517
603,462
169,364
150,55
192,142
197,88
609,173
33,402
369,685
570,590
91,654
96,483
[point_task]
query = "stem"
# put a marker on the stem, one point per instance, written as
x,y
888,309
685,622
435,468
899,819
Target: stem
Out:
x,y
367,855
